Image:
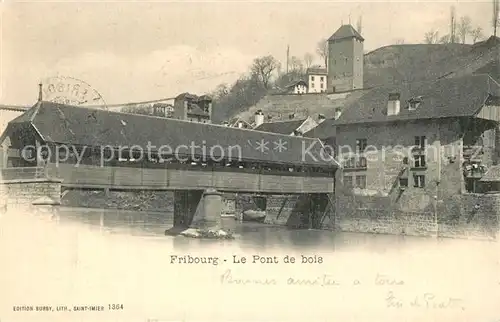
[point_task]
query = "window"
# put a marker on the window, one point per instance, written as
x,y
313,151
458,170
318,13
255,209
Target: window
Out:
x,y
361,162
322,78
321,85
361,145
419,161
350,163
312,78
418,181
312,84
361,181
420,142
348,181
412,106
414,102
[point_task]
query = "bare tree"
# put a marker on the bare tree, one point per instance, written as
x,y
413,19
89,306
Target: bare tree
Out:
x,y
143,109
262,69
453,25
308,59
221,91
476,34
296,64
431,37
400,41
446,39
322,50
494,21
464,28
359,24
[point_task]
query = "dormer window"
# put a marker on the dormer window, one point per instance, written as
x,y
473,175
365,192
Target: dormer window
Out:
x,y
414,103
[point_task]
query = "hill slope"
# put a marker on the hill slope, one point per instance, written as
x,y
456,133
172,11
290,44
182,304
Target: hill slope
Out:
x,y
388,65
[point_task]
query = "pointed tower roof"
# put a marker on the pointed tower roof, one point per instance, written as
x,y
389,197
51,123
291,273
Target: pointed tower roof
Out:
x,y
345,31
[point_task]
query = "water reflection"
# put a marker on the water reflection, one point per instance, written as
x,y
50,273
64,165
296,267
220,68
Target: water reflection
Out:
x,y
251,236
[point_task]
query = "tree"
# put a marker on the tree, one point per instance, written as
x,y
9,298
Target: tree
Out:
x,y
400,41
476,34
446,39
453,26
296,64
494,21
322,50
221,91
308,59
142,109
464,28
359,24
262,69
431,37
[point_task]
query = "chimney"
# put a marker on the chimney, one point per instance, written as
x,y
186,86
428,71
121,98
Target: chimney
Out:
x,y
240,124
393,104
225,123
291,116
40,92
259,118
321,118
338,112
297,133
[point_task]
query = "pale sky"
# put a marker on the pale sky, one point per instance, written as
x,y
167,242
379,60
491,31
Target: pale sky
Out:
x,y
134,51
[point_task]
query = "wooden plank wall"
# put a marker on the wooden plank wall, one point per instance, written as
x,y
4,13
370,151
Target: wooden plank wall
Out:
x,y
86,176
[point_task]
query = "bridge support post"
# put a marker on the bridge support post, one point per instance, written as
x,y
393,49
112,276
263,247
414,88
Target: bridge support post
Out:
x,y
207,220
209,216
186,204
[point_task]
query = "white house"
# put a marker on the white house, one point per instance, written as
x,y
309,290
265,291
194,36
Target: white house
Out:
x,y
299,87
317,77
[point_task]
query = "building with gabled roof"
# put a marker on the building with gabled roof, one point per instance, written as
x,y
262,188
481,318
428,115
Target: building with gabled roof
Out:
x,y
317,79
291,127
53,124
297,87
345,60
418,151
345,32
193,108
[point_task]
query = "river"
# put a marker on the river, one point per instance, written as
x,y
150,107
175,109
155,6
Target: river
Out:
x,y
124,263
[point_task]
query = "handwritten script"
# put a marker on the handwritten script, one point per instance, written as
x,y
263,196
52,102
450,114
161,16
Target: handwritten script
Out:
x,y
321,280
426,300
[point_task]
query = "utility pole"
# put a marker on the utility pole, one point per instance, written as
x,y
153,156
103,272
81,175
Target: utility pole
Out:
x,y
287,57
495,16
40,92
453,25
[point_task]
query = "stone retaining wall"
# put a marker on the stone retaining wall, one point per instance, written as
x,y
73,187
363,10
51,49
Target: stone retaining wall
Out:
x,y
24,192
461,216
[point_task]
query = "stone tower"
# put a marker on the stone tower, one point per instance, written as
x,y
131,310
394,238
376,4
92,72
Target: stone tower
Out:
x,y
345,60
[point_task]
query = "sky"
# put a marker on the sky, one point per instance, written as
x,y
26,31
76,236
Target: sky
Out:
x,y
135,51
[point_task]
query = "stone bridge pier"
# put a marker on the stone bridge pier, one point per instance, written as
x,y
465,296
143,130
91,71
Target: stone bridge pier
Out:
x,y
199,212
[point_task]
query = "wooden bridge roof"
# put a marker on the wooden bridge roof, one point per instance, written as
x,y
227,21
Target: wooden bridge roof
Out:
x,y
65,124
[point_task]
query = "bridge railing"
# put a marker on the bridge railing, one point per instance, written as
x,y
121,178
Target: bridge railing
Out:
x,y
142,178
17,173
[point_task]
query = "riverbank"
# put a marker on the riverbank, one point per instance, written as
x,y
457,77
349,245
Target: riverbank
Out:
x,y
79,264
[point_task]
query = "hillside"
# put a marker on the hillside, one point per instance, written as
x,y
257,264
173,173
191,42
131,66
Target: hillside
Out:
x,y
398,63
387,65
